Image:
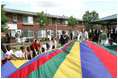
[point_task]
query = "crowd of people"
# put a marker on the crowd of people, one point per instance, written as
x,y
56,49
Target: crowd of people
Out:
x,y
26,53
104,37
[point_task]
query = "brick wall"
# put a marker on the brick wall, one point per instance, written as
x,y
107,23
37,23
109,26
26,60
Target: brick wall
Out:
x,y
36,27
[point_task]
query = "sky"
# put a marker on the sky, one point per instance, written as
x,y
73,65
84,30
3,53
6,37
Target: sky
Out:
x,y
68,8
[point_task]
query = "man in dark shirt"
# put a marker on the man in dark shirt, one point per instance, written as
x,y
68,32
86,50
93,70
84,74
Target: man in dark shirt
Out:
x,y
71,35
64,38
2,46
114,34
97,32
8,37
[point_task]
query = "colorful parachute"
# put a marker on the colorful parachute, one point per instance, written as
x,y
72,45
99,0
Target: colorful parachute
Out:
x,y
73,60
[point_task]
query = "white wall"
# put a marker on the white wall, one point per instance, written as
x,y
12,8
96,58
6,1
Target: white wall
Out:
x,y
12,26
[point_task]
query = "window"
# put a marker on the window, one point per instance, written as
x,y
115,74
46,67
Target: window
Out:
x,y
14,17
25,33
58,21
65,22
28,33
25,19
13,32
41,33
28,19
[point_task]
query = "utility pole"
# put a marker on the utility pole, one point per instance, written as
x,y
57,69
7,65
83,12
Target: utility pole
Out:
x,y
56,25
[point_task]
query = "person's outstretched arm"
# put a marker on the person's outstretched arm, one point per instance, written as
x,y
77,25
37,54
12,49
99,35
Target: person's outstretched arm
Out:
x,y
40,50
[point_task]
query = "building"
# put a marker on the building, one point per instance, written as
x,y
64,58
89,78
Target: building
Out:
x,y
26,21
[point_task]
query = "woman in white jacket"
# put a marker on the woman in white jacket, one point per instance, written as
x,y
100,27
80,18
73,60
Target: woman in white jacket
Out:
x,y
83,34
53,43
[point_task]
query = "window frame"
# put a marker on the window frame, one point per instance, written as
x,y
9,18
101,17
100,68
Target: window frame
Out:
x,y
28,20
14,16
43,34
28,33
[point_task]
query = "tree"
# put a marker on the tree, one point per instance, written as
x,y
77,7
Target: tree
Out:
x,y
88,17
42,19
4,19
72,22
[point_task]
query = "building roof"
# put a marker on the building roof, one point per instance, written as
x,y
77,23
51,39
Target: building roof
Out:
x,y
109,20
35,13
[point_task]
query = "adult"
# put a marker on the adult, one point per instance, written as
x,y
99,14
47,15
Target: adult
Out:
x,y
8,54
17,38
103,38
53,43
112,33
90,34
2,46
34,47
3,49
16,35
83,34
97,32
8,37
21,34
64,38
71,35
115,34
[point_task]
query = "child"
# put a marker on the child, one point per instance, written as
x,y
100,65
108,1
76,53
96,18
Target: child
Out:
x,y
8,54
28,54
110,43
23,39
53,43
21,54
45,47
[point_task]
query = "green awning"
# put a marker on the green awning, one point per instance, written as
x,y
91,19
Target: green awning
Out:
x,y
109,20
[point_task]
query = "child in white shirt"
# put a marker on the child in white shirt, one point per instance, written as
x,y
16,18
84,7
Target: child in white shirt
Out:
x,y
7,55
23,39
9,52
21,54
53,43
45,47
110,43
